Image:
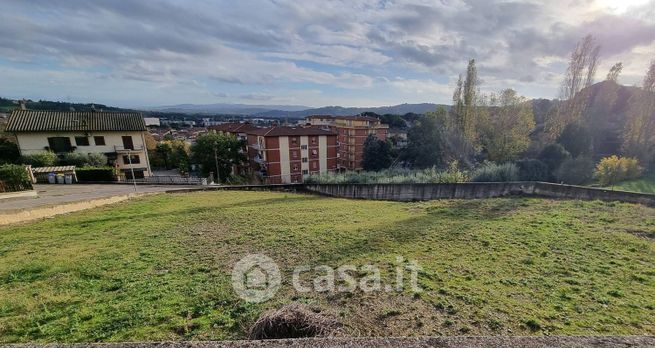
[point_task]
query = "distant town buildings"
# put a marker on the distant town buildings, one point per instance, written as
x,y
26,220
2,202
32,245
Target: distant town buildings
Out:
x,y
118,135
352,133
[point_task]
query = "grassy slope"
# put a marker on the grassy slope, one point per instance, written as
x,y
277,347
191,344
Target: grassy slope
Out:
x,y
645,185
158,267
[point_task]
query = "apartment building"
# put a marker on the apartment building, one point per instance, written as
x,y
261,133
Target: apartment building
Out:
x,y
283,155
118,135
352,132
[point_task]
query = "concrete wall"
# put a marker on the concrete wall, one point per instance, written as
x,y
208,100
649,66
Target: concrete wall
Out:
x,y
422,192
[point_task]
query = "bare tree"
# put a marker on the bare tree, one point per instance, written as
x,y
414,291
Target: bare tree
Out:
x,y
580,74
649,80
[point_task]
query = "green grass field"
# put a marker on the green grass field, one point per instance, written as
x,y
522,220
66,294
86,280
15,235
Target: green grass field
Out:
x,y
158,267
645,185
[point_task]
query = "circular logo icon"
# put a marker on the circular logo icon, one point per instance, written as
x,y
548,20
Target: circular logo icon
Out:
x,y
256,278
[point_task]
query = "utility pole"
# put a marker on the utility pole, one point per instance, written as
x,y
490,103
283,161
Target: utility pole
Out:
x,y
129,159
216,162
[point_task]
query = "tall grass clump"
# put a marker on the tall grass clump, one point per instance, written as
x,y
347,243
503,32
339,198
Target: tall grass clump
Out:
x,y
491,172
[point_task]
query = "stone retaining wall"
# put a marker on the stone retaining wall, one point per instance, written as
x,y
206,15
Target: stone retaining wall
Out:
x,y
471,190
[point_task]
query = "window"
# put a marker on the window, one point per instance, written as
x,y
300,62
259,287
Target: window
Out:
x,y
294,154
305,172
303,147
314,165
295,167
314,153
99,140
294,141
82,141
304,159
133,158
313,140
128,144
60,144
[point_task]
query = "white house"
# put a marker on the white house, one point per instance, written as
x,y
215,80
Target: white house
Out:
x,y
118,135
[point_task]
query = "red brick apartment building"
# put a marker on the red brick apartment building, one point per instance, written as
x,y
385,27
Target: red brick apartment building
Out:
x,y
287,154
283,155
352,133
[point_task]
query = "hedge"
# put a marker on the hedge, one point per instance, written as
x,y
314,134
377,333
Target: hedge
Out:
x,y
14,178
95,174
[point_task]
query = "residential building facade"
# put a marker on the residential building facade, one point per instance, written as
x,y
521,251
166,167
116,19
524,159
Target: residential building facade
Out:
x,y
352,133
283,155
118,135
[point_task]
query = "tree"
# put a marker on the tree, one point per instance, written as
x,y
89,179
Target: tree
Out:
x,y
576,139
575,171
9,152
510,123
377,154
218,152
580,74
639,130
553,155
425,140
614,73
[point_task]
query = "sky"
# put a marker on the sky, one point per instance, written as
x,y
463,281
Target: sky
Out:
x,y
312,53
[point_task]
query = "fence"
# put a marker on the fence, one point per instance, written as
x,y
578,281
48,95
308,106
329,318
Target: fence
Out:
x,y
169,180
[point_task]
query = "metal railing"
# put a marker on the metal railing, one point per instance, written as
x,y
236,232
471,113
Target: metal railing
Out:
x,y
168,180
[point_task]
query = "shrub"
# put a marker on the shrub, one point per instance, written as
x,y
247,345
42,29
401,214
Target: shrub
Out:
x,y
533,170
613,169
96,160
389,176
553,155
40,159
14,178
576,171
9,152
74,159
491,172
88,174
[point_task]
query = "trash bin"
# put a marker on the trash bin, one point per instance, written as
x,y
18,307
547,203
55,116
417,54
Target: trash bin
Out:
x,y
52,178
60,178
68,178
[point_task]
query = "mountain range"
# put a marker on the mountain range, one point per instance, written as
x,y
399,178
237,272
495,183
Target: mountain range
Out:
x,y
292,111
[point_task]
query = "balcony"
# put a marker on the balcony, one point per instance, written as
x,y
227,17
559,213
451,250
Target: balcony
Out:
x,y
124,150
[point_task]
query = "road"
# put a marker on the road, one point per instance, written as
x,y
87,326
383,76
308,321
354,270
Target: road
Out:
x,y
49,195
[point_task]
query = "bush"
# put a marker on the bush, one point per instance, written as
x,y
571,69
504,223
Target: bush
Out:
x,y
613,169
74,159
533,170
491,172
9,152
40,159
575,171
553,155
96,160
14,178
88,174
396,176
80,159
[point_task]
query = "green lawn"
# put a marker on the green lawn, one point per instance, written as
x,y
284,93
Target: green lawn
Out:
x,y
159,267
645,185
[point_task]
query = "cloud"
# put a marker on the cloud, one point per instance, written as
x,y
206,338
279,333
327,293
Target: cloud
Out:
x,y
352,48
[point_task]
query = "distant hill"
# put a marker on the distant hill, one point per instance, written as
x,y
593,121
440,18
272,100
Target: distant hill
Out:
x,y
291,111
400,109
227,109
7,105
